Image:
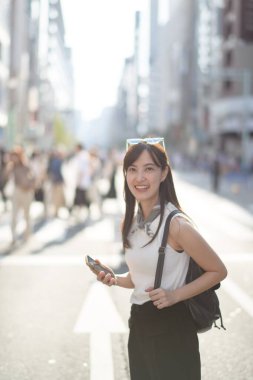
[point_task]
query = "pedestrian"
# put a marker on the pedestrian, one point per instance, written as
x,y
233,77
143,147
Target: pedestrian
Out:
x,y
3,176
163,342
94,194
39,168
83,179
56,179
216,173
111,170
23,194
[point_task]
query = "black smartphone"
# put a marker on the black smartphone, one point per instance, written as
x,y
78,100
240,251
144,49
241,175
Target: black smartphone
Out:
x,y
95,267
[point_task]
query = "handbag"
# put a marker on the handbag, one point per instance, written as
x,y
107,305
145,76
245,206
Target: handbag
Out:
x,y
204,308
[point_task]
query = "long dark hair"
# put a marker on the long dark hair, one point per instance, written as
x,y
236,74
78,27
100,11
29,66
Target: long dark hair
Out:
x,y
167,191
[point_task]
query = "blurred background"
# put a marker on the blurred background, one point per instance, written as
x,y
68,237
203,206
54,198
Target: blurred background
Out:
x,y
186,74
77,78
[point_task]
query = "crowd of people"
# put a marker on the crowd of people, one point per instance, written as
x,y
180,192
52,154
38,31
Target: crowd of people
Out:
x,y
41,177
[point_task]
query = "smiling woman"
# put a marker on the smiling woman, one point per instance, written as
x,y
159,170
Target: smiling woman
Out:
x,y
101,36
163,341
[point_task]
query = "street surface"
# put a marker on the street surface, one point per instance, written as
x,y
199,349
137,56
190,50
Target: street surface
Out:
x,y
58,323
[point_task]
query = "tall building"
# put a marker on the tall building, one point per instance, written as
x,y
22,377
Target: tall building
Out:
x,y
182,52
4,67
227,88
55,83
133,94
18,71
36,81
200,75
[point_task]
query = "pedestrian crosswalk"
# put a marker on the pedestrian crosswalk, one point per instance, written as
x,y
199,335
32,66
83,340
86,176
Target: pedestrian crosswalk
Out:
x,y
48,231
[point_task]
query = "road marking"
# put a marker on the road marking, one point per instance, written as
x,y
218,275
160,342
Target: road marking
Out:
x,y
99,317
229,286
238,295
113,260
31,260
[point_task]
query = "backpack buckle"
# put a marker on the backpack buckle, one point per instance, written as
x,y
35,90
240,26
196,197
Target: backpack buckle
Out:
x,y
162,249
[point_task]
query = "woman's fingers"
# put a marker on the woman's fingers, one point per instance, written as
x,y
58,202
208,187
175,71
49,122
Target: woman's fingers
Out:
x,y
101,276
105,267
154,294
107,279
158,297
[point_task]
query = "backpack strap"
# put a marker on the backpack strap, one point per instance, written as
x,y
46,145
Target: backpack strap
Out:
x,y
160,262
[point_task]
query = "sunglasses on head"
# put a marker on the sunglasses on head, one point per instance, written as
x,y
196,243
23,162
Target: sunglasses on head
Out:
x,y
147,140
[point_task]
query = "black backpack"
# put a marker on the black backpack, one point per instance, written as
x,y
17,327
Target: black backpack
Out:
x,y
205,307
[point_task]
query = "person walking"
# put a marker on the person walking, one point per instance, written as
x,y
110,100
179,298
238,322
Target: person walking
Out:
x,y
216,173
163,342
56,179
3,176
94,194
83,179
39,167
111,170
23,193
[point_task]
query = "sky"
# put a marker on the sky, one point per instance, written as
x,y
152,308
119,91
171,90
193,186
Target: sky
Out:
x,y
101,35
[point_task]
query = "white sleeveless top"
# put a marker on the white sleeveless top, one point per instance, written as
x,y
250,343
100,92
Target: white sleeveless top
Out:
x,y
142,261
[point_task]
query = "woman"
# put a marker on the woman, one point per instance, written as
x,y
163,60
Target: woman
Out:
x,y
163,342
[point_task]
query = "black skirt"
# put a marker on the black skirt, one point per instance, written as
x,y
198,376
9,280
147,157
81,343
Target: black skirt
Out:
x,y
81,197
163,344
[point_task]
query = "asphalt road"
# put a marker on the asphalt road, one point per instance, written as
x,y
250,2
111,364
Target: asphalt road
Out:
x,y
56,322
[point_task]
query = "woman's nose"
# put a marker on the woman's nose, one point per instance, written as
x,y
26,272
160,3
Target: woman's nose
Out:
x,y
139,175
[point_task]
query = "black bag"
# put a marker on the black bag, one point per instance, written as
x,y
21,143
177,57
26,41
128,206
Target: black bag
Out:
x,y
204,307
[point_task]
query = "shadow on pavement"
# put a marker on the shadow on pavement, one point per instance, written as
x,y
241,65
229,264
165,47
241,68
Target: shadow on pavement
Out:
x,y
70,233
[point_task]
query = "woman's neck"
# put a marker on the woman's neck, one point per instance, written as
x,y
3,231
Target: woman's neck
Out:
x,y
147,208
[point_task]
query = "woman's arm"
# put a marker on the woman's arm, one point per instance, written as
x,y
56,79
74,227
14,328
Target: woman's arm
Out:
x,y
183,236
122,280
188,239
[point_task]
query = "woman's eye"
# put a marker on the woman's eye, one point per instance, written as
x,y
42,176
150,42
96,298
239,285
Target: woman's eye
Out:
x,y
149,169
131,169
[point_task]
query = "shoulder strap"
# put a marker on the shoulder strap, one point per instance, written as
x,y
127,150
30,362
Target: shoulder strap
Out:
x,y
160,262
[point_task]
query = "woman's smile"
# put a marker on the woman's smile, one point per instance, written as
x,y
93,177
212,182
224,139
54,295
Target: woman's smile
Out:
x,y
141,187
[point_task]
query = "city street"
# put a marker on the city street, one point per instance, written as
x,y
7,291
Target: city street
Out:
x,y
82,83
58,323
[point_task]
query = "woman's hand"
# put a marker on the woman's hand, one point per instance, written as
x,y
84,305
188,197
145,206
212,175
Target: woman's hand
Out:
x,y
106,279
104,273
162,298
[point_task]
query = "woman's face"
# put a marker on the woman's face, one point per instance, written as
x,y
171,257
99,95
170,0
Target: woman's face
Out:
x,y
144,177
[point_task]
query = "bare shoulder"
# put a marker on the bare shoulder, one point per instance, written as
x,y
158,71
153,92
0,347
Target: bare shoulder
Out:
x,y
179,225
178,229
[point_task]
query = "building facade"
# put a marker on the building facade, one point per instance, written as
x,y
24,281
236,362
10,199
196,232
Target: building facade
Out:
x,y
4,67
36,78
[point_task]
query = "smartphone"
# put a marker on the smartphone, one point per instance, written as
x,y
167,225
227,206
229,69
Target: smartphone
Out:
x,y
94,266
